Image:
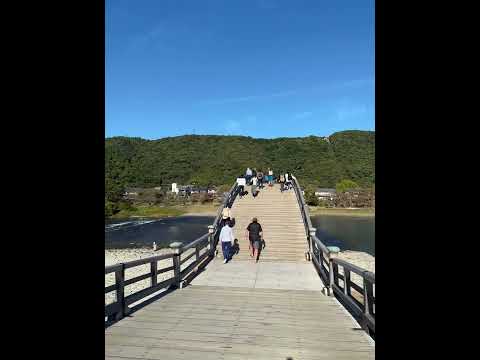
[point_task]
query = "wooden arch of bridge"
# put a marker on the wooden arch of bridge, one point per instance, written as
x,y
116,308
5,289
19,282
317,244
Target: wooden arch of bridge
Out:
x,y
298,302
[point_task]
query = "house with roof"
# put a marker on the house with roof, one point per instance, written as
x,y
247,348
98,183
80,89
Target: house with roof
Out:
x,y
326,193
132,191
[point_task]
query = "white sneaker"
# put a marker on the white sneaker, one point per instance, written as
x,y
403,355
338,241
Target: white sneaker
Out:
x,y
225,261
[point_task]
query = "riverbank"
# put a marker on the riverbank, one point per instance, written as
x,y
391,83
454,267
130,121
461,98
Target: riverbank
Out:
x,y
156,212
199,209
359,258
115,256
316,210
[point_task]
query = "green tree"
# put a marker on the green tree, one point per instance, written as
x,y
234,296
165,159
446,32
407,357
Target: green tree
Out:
x,y
216,160
111,208
310,197
346,185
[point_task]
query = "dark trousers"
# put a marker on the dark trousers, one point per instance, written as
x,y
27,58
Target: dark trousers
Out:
x,y
227,250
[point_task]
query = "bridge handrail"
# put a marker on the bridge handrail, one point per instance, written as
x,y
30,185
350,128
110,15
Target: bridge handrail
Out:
x,y
327,265
364,310
119,308
196,242
304,211
232,193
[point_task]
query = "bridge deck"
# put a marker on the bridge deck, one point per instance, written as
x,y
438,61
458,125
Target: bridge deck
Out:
x,y
273,309
200,322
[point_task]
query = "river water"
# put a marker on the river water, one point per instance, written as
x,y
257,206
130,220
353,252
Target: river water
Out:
x,y
347,232
141,233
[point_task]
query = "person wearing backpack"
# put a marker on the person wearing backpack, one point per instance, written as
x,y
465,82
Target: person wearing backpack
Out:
x,y
254,233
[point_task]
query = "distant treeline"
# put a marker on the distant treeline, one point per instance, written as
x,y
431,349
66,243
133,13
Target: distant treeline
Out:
x,y
217,160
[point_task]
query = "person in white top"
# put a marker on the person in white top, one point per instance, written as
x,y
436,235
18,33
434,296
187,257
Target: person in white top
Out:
x,y
226,215
226,238
270,177
248,175
254,186
241,182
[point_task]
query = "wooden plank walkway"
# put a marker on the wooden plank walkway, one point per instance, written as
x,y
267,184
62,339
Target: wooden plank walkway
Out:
x,y
281,220
274,309
228,323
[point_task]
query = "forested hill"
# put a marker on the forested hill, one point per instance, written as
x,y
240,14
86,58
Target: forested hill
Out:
x,y
217,160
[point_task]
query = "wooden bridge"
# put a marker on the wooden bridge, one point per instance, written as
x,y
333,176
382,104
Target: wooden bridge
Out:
x,y
298,302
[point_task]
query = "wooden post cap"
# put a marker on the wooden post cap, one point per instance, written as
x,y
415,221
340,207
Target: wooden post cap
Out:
x,y
176,246
333,249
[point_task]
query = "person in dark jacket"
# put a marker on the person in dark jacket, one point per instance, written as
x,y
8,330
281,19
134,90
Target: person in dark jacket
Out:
x,y
254,233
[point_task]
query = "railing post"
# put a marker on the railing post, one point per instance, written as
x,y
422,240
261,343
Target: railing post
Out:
x,y
197,252
153,270
119,281
346,282
312,233
211,240
367,296
332,255
367,303
177,250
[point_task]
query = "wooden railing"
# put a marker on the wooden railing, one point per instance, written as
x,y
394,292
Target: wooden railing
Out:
x,y
358,298
305,212
180,255
363,303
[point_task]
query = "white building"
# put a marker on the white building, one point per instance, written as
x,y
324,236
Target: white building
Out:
x,y
326,194
174,188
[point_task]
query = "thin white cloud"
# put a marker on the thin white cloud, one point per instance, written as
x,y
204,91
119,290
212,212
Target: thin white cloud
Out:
x,y
324,87
247,98
302,115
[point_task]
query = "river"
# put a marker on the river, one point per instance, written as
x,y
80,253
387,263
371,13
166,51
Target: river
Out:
x,y
346,232
355,233
141,233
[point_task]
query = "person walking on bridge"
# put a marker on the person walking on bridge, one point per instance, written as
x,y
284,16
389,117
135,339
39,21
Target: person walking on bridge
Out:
x,y
260,179
226,239
270,177
241,182
248,175
254,187
226,215
254,233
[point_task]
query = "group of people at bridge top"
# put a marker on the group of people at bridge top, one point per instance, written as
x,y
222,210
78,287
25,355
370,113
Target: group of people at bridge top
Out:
x,y
258,179
254,231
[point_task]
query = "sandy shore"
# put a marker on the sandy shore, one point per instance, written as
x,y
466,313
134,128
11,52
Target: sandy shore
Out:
x,y
207,213
359,258
115,256
315,210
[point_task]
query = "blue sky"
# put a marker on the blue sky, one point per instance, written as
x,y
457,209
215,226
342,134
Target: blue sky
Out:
x,y
260,68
